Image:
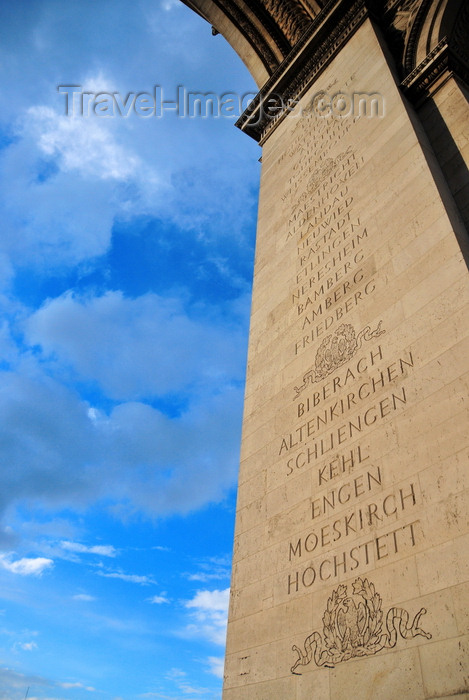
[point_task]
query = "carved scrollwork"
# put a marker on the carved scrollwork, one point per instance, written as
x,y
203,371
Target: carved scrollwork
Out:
x,y
353,627
335,350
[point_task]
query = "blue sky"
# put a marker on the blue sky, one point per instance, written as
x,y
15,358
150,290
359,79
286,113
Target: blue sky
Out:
x,y
126,255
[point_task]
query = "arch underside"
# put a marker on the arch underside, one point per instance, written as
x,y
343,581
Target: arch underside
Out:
x,y
425,37
262,32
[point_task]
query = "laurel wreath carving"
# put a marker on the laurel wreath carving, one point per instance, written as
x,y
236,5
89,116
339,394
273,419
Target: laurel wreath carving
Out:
x,y
353,627
335,350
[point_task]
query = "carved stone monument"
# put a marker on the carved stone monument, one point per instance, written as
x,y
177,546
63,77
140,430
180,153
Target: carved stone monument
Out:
x,y
351,567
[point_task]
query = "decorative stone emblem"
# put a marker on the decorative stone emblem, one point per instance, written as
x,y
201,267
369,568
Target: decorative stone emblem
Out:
x,y
335,350
353,626
329,165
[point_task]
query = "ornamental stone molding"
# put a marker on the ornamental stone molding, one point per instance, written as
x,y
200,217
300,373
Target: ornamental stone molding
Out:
x,y
286,44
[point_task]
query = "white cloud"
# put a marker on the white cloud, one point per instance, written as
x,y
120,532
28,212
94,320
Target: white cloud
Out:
x,y
130,578
61,219
211,600
135,457
36,697
136,348
103,550
12,683
204,577
74,183
53,528
26,566
178,677
85,597
26,646
158,599
210,613
81,144
8,350
65,180
99,82
191,689
214,568
175,674
77,685
170,4
217,665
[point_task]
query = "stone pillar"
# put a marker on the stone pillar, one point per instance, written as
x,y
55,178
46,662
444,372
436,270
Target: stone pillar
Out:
x,y
350,568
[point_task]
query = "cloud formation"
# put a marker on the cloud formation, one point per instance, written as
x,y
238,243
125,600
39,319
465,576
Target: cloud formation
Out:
x,y
102,550
146,354
125,266
85,597
34,566
137,348
210,613
13,684
27,646
90,689
129,578
217,665
81,144
158,599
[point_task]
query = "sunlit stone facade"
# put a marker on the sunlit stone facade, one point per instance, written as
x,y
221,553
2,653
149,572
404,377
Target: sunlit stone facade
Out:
x,y
350,568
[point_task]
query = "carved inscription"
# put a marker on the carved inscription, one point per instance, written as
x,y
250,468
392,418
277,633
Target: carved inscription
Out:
x,y
360,556
355,518
355,521
353,627
333,273
322,428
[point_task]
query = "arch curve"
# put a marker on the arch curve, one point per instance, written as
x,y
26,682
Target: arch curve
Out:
x,y
262,32
431,23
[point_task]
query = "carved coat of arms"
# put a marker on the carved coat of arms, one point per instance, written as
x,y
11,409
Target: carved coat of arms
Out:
x,y
337,349
353,626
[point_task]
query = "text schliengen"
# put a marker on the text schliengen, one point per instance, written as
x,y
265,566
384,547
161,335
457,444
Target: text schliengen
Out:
x,y
327,416
331,441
